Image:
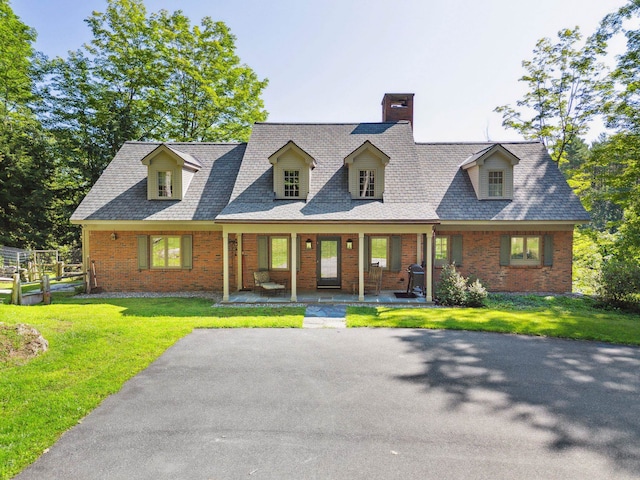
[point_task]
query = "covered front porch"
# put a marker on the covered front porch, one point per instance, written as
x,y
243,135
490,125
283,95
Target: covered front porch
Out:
x,y
386,297
325,263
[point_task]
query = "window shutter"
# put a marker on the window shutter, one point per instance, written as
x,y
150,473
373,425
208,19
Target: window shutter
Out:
x,y
505,250
143,252
548,250
263,253
456,249
187,251
367,258
396,253
298,262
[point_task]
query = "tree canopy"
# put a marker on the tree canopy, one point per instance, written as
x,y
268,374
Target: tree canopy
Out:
x,y
143,76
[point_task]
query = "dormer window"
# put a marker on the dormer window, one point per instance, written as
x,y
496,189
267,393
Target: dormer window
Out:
x,y
496,184
367,183
169,172
292,183
491,172
164,184
366,166
291,172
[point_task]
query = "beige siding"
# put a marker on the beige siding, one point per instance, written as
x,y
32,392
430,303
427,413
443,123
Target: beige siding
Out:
x,y
496,163
163,163
290,160
366,161
474,176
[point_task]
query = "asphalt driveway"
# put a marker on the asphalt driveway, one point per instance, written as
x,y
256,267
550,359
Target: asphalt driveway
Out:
x,y
364,404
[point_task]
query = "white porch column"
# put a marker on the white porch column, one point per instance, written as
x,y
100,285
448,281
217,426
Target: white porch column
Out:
x,y
429,267
225,266
419,249
294,267
361,267
240,281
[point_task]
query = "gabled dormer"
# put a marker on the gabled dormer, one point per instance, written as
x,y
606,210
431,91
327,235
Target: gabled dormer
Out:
x,y
169,173
291,172
491,172
366,166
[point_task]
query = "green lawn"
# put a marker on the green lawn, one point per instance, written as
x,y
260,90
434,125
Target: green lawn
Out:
x,y
562,317
94,347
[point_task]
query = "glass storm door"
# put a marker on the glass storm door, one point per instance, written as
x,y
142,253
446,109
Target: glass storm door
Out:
x,y
328,261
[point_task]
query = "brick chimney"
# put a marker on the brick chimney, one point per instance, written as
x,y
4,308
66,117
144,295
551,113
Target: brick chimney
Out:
x,y
397,106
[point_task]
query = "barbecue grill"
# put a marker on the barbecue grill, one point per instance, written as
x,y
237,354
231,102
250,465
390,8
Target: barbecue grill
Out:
x,y
416,278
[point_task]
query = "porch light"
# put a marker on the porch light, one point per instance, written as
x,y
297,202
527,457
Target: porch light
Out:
x,y
309,244
114,236
349,244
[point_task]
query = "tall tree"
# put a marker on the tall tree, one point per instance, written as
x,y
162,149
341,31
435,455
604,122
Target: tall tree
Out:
x,y
563,80
26,162
16,53
149,77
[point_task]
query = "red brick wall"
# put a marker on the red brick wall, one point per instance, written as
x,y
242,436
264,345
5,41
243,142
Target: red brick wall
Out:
x,y
481,257
306,277
117,264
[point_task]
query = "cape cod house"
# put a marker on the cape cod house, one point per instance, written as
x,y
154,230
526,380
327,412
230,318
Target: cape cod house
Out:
x,y
314,205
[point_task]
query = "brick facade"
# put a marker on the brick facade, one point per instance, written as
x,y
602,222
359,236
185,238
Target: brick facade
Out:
x,y
117,265
481,258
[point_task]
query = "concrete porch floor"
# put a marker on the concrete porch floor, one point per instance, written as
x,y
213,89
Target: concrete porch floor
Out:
x,y
325,296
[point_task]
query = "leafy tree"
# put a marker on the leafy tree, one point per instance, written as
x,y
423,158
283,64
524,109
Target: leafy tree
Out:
x,y
15,62
27,167
148,77
563,81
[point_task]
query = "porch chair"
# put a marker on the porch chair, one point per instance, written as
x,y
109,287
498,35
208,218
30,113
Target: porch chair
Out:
x,y
263,283
374,280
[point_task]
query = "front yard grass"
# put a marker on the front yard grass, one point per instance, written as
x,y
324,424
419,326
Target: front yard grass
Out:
x,y
563,317
95,346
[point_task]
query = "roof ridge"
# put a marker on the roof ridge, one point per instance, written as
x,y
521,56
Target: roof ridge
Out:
x,y
332,123
483,142
143,142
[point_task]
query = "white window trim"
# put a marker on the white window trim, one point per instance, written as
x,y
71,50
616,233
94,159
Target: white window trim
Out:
x,y
284,184
371,174
502,184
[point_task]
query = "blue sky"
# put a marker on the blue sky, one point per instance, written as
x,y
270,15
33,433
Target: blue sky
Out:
x,y
333,60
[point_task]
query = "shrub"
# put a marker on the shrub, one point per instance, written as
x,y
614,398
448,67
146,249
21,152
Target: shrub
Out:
x,y
454,290
476,294
620,283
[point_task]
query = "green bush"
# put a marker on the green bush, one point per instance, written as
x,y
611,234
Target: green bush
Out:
x,y
454,290
476,294
620,283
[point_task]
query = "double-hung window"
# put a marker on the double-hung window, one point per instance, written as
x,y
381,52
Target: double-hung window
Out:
x,y
292,183
496,184
367,185
380,251
164,185
279,253
442,251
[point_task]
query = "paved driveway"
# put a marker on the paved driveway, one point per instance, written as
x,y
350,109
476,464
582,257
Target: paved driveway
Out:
x,y
364,404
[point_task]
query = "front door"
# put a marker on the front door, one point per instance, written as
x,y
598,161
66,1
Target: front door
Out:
x,y
328,261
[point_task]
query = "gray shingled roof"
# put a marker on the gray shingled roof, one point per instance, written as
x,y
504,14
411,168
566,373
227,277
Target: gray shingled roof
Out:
x,y
540,192
121,192
424,182
405,197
